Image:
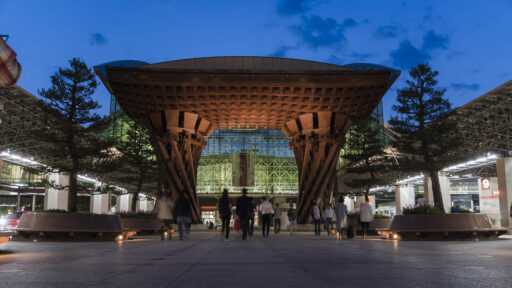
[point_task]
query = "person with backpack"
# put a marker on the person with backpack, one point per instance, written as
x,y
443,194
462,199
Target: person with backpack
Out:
x,y
182,212
341,217
243,207
277,219
292,217
225,207
317,218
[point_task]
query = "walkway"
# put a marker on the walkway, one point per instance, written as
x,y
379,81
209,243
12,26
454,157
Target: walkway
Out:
x,y
204,260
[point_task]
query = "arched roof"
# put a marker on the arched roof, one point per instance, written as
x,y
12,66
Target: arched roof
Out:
x,y
247,63
248,92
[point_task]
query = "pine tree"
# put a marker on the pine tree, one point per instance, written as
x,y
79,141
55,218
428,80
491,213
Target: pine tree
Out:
x,y
366,160
70,110
139,163
428,136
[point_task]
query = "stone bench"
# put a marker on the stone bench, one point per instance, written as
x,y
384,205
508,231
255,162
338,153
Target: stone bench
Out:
x,y
462,226
69,226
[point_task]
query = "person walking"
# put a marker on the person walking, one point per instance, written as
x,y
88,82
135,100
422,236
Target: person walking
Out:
x,y
225,207
317,218
277,219
341,217
292,217
251,216
182,212
243,207
266,215
365,216
328,214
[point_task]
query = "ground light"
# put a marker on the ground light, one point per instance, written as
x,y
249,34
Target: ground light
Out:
x,y
393,236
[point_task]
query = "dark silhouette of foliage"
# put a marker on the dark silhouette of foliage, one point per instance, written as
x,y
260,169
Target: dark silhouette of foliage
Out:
x,y
139,165
367,162
69,106
428,136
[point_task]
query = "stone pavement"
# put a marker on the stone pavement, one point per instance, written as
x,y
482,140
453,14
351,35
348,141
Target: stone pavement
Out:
x,y
204,260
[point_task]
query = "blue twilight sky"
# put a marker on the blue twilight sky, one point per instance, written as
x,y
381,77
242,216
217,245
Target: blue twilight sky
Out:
x,y
468,42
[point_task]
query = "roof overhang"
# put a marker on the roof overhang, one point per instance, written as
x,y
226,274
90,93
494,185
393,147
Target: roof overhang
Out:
x,y
248,92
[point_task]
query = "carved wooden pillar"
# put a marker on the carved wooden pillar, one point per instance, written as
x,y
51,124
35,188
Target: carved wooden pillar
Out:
x,y
316,139
181,137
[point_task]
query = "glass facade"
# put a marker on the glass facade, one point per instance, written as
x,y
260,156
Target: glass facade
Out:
x,y
275,170
12,174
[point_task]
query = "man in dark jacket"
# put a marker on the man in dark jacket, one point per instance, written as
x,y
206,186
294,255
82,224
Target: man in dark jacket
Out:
x,y
182,212
225,206
243,210
252,209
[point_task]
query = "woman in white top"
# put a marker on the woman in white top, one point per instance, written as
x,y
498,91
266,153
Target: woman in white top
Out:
x,y
341,217
365,216
328,214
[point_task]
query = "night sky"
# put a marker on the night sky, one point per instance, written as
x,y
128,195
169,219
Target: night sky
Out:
x,y
468,42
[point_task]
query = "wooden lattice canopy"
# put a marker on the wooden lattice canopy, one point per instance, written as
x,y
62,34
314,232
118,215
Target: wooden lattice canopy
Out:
x,y
248,92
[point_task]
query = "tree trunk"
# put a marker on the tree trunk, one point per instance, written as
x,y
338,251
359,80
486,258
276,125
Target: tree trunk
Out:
x,y
436,191
134,201
72,193
136,196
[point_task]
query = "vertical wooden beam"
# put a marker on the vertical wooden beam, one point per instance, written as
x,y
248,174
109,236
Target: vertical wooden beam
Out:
x,y
180,145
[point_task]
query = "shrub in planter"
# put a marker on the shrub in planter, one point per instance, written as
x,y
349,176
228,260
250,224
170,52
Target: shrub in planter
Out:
x,y
53,211
381,216
355,215
421,210
136,214
60,211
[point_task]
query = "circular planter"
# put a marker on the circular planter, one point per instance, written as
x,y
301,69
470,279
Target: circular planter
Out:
x,y
68,226
444,226
375,225
142,225
5,236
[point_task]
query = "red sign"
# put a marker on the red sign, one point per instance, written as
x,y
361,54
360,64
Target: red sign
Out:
x,y
243,169
486,183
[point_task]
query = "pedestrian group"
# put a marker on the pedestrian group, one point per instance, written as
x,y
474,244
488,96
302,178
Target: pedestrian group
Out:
x,y
245,213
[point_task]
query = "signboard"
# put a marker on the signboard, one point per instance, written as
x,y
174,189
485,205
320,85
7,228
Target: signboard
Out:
x,y
486,183
490,199
243,169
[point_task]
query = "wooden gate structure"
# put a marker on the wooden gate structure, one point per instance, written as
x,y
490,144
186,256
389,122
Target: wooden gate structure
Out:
x,y
314,104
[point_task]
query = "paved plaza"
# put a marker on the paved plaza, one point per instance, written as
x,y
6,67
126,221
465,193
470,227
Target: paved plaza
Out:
x,y
204,260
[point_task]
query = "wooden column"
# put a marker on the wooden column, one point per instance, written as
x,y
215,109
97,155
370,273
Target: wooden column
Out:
x,y
316,139
181,136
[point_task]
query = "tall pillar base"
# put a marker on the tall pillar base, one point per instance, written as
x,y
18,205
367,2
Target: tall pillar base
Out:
x,y
404,197
100,204
504,171
57,198
181,136
316,140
